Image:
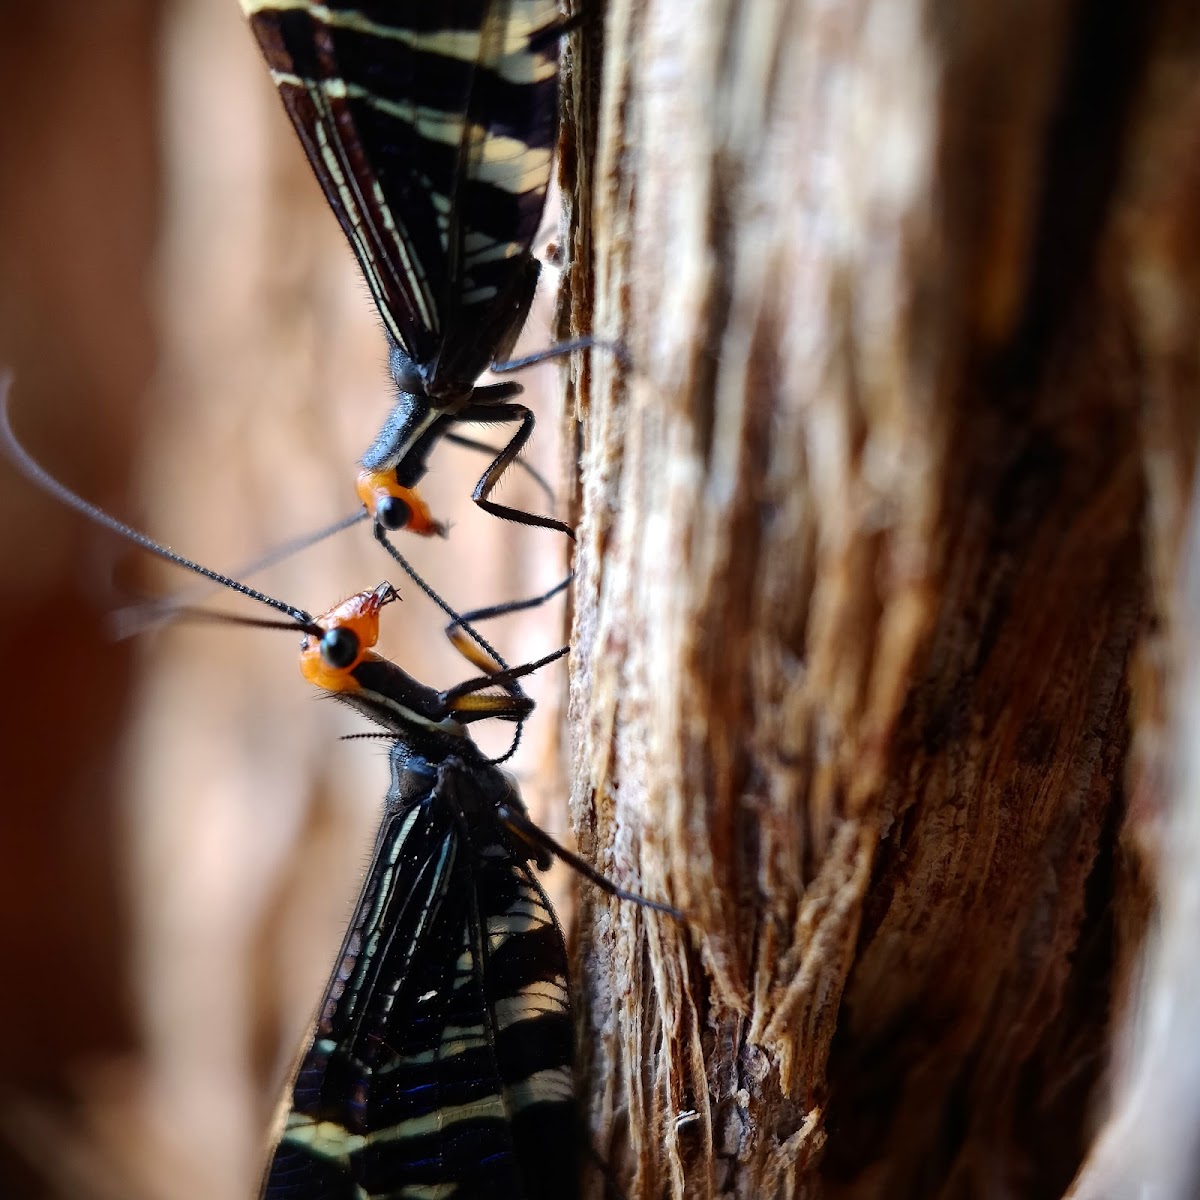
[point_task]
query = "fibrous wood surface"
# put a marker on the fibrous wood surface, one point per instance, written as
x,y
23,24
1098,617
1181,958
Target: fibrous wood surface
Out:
x,y
877,530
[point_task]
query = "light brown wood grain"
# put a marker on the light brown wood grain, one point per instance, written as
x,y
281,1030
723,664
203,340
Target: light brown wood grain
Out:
x,y
863,569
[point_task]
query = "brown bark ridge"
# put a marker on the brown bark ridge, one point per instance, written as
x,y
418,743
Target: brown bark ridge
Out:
x,y
878,526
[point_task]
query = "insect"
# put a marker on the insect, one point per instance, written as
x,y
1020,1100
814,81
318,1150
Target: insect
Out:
x,y
440,1061
431,130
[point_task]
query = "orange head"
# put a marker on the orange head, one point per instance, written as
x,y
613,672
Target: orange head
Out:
x,y
348,633
396,507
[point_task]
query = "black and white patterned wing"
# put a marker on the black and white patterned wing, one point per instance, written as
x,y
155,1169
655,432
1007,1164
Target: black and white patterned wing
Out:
x,y
525,985
444,1042
500,188
430,128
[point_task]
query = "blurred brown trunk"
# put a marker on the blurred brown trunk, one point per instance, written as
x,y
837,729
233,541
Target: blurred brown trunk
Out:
x,y
79,203
181,833
877,537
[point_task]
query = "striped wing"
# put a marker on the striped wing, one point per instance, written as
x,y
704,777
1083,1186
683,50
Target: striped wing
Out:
x,y
440,1068
430,127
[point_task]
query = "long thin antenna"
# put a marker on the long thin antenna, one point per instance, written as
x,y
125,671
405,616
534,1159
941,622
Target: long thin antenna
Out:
x,y
37,474
455,620
285,550
152,614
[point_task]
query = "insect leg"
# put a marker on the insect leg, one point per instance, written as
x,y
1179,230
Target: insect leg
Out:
x,y
463,700
559,350
511,606
501,414
522,464
522,827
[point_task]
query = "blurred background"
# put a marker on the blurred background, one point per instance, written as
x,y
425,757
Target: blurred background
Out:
x,y
181,832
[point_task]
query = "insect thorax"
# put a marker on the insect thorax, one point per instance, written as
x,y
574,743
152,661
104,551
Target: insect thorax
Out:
x,y
468,787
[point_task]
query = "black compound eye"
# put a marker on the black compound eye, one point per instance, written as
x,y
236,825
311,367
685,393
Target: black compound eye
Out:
x,y
393,513
339,647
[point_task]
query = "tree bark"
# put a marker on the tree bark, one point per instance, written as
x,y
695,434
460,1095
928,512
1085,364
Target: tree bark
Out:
x,y
880,514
